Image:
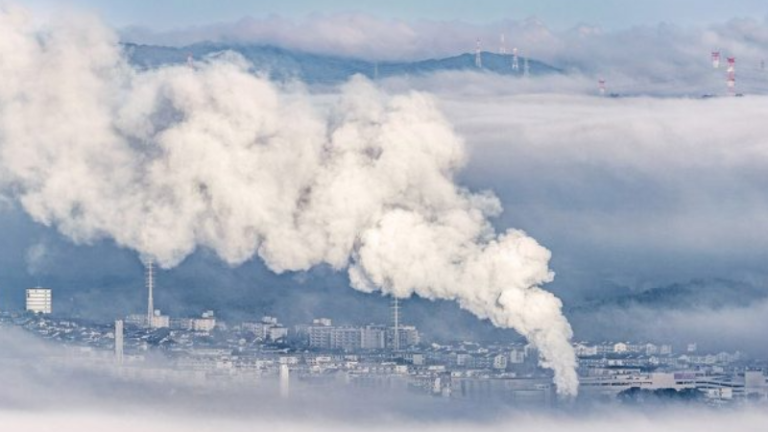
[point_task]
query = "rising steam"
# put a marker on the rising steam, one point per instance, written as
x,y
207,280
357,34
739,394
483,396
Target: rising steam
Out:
x,y
167,160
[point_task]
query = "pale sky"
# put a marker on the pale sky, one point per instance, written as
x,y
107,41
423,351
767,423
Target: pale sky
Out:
x,y
611,14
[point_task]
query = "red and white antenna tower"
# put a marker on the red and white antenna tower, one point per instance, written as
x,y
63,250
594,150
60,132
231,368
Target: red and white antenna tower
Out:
x,y
478,55
716,59
732,76
601,86
515,60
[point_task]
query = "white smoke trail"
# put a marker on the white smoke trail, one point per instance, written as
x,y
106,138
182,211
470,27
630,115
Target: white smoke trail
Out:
x,y
167,160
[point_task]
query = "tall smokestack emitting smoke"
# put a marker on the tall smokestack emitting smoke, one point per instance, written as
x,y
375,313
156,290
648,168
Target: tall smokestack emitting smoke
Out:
x,y
168,160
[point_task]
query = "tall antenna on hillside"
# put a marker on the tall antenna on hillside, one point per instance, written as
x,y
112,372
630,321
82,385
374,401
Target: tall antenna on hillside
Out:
x,y
478,54
515,60
732,76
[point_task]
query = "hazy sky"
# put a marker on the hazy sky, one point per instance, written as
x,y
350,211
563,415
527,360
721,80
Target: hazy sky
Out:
x,y
557,13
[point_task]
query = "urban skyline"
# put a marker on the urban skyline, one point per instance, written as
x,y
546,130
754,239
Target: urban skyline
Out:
x,y
392,357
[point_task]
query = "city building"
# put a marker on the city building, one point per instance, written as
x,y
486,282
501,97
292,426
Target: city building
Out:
x,y
345,338
136,320
206,323
517,355
267,329
176,323
119,341
408,336
39,300
373,337
159,320
319,333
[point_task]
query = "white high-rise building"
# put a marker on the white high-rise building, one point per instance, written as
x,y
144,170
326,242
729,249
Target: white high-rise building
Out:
x,y
119,341
39,300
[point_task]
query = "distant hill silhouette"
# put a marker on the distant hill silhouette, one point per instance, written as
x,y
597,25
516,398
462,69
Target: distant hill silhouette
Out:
x,y
696,294
283,64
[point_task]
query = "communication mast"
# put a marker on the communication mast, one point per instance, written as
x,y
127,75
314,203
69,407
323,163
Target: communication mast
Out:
x,y
732,76
478,55
716,59
515,60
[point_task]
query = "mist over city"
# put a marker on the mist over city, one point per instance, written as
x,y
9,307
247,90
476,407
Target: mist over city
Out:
x,y
304,216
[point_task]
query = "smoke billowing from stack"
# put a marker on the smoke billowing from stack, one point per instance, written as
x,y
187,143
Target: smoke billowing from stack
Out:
x,y
168,160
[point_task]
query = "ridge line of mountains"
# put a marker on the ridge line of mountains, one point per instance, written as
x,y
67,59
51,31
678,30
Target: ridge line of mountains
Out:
x,y
697,294
285,64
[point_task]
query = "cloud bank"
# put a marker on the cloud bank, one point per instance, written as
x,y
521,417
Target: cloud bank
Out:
x,y
629,194
37,375
169,160
705,422
664,58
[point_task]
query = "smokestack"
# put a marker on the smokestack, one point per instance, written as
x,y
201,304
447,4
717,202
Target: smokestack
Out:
x,y
395,324
150,284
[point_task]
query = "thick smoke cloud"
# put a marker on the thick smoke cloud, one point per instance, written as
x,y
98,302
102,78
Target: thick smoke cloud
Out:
x,y
170,160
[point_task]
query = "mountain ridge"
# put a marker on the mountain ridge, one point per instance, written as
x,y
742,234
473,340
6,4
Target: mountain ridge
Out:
x,y
712,294
283,64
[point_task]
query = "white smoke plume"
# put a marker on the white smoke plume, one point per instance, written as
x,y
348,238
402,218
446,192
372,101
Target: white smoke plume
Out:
x,y
169,160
